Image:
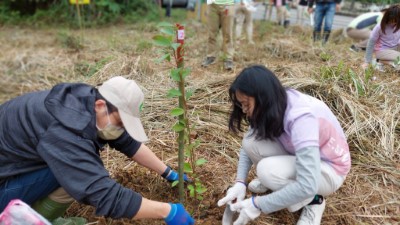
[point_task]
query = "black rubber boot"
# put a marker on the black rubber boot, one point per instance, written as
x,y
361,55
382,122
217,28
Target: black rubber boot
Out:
x,y
325,37
316,36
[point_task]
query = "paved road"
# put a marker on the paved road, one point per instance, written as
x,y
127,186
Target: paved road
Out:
x,y
338,22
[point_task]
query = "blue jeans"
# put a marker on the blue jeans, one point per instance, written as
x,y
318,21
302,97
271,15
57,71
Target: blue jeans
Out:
x,y
326,10
28,187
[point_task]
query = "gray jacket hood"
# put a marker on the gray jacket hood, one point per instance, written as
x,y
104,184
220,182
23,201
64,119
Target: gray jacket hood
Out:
x,y
72,105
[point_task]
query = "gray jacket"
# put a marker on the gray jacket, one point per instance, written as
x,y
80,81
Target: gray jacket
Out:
x,y
57,129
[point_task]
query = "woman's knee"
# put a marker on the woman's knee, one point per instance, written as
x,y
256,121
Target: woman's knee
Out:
x,y
277,171
265,171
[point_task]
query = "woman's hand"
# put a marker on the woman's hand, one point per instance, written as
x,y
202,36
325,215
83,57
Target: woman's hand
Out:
x,y
238,192
248,211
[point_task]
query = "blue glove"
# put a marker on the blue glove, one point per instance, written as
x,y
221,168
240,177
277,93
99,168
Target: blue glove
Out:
x,y
178,216
171,175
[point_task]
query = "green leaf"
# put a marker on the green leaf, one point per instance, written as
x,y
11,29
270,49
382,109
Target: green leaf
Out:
x,y
178,127
191,192
175,46
114,7
187,153
177,112
168,31
183,122
201,161
187,168
163,58
188,94
200,189
175,183
162,41
175,74
190,187
174,93
199,197
357,84
185,72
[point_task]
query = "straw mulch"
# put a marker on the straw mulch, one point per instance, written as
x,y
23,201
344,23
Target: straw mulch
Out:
x,y
35,59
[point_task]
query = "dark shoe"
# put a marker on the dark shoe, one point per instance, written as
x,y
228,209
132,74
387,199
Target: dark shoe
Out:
x,y
228,65
286,23
354,48
208,61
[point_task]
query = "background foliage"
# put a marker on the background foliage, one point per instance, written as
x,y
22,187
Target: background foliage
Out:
x,y
38,12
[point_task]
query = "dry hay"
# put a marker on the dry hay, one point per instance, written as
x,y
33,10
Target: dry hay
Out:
x,y
35,59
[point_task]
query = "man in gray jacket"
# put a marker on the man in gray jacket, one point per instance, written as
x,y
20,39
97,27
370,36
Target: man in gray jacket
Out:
x,y
49,151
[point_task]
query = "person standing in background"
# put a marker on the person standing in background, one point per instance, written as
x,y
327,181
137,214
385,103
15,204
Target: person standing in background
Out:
x,y
268,10
301,9
324,12
243,16
282,12
220,17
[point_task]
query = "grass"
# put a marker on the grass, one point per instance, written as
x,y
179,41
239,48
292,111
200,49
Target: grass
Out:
x,y
35,59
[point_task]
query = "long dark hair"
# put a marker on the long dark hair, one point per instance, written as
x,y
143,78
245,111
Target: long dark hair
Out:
x,y
391,14
270,102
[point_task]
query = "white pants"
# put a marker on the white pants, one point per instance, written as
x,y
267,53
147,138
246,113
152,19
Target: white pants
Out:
x,y
276,168
390,54
301,10
244,16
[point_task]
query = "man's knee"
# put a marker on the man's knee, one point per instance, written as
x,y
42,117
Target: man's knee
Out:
x,y
61,196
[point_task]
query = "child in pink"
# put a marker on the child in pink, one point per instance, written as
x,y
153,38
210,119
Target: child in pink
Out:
x,y
385,38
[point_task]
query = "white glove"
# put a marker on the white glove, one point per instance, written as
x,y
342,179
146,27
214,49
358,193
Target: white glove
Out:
x,y
247,209
238,192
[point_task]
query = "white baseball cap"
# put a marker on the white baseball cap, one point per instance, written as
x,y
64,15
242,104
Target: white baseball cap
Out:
x,y
127,96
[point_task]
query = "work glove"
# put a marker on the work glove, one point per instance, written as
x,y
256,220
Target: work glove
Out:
x,y
178,216
171,175
248,211
238,192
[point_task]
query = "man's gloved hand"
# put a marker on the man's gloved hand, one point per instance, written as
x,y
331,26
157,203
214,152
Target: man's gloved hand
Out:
x,y
238,192
248,211
171,175
178,216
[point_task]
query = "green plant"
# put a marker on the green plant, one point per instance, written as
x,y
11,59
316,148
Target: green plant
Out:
x,y
143,45
48,12
346,77
173,51
325,56
86,69
69,41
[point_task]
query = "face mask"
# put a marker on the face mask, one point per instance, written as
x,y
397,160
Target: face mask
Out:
x,y
110,131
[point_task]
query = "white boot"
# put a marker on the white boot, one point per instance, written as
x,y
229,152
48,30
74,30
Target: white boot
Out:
x,y
255,186
312,214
